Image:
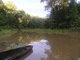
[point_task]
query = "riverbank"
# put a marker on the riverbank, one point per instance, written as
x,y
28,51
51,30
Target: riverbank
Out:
x,y
49,31
7,32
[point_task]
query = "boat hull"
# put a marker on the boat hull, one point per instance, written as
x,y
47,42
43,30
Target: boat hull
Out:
x,y
15,53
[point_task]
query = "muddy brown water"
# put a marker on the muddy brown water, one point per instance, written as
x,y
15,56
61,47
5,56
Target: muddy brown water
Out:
x,y
45,46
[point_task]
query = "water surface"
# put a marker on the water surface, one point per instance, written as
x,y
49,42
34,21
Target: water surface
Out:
x,y
45,46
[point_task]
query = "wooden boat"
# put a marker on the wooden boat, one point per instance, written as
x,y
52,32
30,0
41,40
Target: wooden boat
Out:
x,y
15,53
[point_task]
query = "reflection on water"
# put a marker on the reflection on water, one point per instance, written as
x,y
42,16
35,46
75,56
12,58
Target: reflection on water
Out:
x,y
18,40
39,50
45,46
78,59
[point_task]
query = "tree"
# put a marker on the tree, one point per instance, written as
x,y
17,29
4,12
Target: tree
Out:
x,y
10,5
36,22
23,18
54,3
64,13
2,14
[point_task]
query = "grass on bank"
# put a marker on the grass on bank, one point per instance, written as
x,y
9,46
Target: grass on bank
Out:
x,y
7,32
50,31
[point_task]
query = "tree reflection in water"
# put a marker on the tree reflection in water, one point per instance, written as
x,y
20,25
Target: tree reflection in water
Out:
x,y
18,40
45,46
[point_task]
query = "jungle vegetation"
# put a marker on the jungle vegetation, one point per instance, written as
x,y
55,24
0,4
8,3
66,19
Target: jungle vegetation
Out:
x,y
64,14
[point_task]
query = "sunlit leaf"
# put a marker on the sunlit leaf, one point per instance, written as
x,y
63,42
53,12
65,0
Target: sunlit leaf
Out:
x,y
20,20
10,5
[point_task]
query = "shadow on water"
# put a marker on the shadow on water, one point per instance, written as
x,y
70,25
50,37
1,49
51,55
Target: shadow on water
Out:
x,y
45,46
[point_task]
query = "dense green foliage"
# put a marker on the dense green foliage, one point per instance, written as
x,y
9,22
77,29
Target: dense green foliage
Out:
x,y
36,22
12,18
64,14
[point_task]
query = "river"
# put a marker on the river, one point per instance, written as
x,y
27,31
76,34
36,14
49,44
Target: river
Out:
x,y
45,46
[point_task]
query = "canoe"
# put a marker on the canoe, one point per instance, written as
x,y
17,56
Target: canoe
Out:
x,y
15,53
